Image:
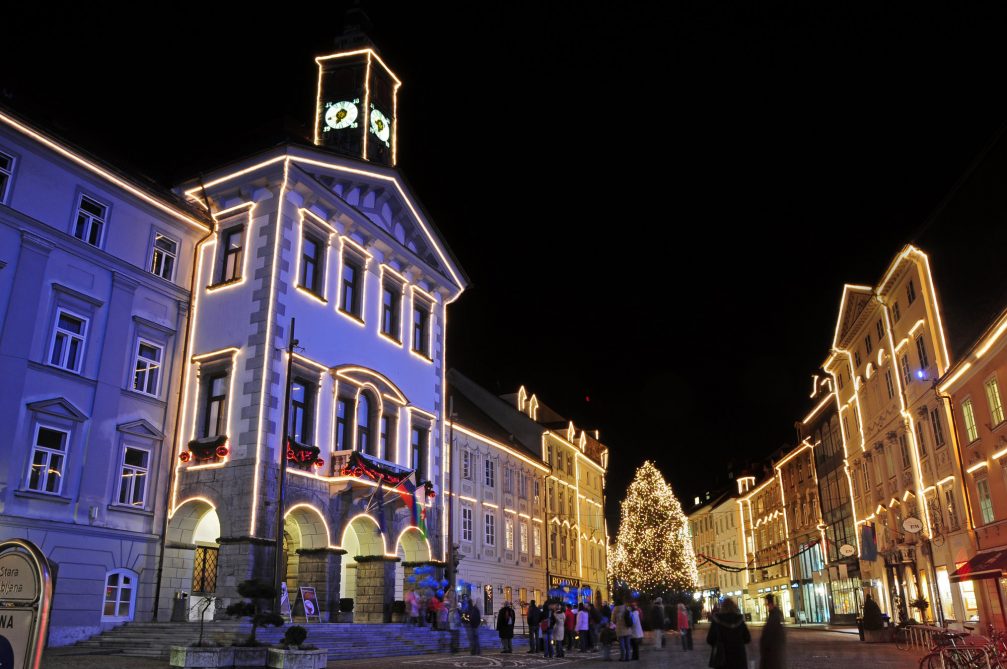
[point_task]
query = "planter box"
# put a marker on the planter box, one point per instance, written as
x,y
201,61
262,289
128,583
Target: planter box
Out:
x,y
280,658
346,616
249,656
202,657
877,636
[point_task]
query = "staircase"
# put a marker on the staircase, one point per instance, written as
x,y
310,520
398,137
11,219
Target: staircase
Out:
x,y
342,640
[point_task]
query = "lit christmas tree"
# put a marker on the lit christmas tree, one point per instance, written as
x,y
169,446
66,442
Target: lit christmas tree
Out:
x,y
653,552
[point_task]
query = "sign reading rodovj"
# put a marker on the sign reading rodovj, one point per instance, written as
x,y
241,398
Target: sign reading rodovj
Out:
x,y
25,602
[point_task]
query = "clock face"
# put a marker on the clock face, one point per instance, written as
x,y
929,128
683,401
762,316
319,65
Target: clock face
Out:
x,y
342,114
380,125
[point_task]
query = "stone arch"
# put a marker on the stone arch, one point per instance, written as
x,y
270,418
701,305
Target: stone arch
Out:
x,y
410,547
363,538
191,553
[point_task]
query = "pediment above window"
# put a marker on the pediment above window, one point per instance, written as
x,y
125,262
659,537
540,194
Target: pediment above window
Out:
x,y
361,376
141,428
59,407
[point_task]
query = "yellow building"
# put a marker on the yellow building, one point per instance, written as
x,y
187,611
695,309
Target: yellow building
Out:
x,y
901,457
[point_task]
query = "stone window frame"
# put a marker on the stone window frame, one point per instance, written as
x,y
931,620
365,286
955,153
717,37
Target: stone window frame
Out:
x,y
134,583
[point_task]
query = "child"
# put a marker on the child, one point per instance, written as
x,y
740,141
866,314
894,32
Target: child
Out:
x,y
606,638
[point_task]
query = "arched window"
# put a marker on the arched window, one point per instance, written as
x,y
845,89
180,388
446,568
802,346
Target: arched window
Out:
x,y
363,422
120,595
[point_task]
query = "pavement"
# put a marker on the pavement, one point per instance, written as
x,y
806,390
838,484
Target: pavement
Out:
x,y
807,648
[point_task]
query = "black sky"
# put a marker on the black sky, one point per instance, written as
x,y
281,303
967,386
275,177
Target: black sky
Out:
x,y
657,210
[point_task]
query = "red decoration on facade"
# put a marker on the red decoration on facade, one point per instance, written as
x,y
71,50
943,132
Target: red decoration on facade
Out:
x,y
185,456
222,451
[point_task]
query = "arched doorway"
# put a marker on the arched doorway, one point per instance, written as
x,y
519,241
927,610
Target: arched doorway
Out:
x,y
410,548
363,538
306,554
191,559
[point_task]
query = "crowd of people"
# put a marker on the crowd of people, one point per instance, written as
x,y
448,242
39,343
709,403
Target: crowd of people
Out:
x,y
555,628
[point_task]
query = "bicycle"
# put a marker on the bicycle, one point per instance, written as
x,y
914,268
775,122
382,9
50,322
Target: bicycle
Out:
x,y
958,650
901,638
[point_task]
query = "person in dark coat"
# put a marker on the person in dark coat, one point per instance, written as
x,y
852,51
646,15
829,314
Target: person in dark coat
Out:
x,y
772,643
534,617
505,627
474,620
728,630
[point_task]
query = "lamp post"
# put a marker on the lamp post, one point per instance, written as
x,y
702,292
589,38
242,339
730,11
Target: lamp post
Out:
x,y
281,487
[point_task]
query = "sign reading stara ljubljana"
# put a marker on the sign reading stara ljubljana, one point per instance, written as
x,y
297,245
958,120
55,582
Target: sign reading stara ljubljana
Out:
x,y
25,600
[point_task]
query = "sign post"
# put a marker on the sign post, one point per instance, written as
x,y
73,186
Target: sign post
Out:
x,y
25,602
310,603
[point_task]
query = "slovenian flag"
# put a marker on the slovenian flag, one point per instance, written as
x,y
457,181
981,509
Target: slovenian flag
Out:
x,y
407,490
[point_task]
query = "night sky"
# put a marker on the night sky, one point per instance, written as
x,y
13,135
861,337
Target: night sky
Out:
x,y
657,212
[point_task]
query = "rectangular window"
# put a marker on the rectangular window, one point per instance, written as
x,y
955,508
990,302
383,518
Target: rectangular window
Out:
x,y
233,252
215,421
341,425
508,534
67,341
383,439
67,350
910,292
133,479
970,420
856,358
48,457
949,502
523,537
907,375
538,497
508,480
351,292
421,321
162,261
491,529
204,570
391,308
995,404
90,222
889,386
491,474
921,349
868,345
467,525
880,330
147,367
467,465
985,501
536,537
840,378
302,394
6,175
418,457
935,426
896,313
921,443
569,464
311,278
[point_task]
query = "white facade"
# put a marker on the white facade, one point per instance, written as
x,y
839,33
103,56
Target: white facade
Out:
x,y
94,278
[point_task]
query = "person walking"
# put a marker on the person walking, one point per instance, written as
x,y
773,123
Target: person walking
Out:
x,y
594,620
656,620
685,627
505,627
533,618
605,638
413,604
637,633
772,643
583,627
623,628
559,630
728,636
475,620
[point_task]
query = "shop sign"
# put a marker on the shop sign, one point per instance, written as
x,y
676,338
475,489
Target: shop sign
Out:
x,y
25,599
846,550
912,525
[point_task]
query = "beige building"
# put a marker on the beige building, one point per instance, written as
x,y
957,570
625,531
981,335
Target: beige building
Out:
x,y
765,548
716,533
888,349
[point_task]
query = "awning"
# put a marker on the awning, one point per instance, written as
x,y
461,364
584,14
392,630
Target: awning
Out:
x,y
988,564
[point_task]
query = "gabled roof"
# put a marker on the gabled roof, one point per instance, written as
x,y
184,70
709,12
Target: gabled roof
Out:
x,y
493,416
855,299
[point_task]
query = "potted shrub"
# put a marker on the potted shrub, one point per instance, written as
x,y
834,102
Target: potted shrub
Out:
x,y
398,611
292,653
921,605
203,654
346,610
248,652
874,631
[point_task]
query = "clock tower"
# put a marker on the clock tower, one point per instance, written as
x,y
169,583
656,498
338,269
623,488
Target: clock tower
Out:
x,y
356,107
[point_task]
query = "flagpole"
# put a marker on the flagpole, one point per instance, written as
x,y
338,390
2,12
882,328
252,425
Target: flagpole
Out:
x,y
450,494
278,563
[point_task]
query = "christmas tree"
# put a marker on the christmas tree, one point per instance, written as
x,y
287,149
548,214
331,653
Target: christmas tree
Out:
x,y
653,552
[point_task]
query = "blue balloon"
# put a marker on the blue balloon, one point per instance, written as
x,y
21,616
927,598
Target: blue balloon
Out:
x,y
440,593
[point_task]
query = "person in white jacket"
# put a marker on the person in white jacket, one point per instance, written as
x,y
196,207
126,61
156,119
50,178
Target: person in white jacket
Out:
x,y
637,637
559,629
583,627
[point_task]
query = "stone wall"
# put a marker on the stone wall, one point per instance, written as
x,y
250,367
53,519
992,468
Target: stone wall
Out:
x,y
375,589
